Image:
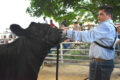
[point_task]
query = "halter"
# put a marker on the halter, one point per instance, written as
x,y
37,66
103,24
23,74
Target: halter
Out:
x,y
47,37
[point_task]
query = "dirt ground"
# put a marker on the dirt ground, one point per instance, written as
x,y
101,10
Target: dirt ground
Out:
x,y
70,72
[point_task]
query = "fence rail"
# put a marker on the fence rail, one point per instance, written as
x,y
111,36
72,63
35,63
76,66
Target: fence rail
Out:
x,y
78,47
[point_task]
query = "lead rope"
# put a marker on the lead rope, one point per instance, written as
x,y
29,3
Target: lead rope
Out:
x,y
57,60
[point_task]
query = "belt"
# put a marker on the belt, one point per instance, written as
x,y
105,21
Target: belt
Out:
x,y
97,59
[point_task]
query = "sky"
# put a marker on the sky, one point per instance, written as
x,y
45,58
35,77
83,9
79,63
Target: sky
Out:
x,y
14,11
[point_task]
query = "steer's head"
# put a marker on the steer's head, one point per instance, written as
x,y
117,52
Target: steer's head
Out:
x,y
39,32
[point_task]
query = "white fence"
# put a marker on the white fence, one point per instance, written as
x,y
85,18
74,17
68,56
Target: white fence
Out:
x,y
77,53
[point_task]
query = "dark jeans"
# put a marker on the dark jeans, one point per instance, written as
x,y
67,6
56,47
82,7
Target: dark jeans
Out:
x,y
101,70
66,46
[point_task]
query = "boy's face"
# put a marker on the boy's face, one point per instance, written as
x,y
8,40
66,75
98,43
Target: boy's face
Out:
x,y
102,16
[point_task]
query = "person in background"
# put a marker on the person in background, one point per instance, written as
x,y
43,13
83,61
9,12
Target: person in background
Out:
x,y
51,24
63,23
118,44
102,39
65,45
76,26
44,20
5,39
80,24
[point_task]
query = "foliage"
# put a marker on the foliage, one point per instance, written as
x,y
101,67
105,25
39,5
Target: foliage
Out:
x,y
69,9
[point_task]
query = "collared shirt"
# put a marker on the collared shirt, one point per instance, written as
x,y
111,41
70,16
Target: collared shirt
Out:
x,y
104,34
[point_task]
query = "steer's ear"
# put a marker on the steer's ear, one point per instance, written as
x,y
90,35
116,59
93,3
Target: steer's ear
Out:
x,y
16,29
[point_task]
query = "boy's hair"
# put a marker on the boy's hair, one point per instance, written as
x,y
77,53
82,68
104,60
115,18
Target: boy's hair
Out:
x,y
107,9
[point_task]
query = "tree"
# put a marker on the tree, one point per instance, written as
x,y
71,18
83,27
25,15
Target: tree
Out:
x,y
69,9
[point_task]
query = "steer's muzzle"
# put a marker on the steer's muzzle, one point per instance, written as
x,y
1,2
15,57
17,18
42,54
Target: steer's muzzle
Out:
x,y
63,35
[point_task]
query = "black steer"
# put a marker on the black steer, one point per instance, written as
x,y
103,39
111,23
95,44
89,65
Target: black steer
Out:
x,y
21,59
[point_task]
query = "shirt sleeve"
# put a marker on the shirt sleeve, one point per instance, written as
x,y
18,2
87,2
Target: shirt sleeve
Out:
x,y
101,31
72,35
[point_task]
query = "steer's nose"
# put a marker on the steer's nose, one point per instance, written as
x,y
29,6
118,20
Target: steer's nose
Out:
x,y
63,36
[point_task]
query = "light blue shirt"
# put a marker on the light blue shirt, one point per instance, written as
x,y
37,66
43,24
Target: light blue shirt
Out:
x,y
104,34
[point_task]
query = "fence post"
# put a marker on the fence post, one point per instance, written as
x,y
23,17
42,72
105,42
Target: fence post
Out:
x,y
61,52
